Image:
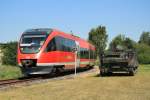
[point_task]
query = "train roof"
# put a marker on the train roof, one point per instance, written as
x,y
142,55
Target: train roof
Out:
x,y
38,31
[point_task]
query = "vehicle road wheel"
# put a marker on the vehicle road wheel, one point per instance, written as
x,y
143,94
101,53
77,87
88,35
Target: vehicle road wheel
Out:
x,y
109,73
136,70
131,72
102,73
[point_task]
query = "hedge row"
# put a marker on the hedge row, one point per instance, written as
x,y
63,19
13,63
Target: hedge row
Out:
x,y
9,51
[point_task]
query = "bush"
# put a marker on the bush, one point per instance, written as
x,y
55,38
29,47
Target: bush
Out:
x,y
9,72
9,53
143,51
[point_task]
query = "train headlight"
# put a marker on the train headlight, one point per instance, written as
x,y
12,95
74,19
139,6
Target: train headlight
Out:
x,y
29,62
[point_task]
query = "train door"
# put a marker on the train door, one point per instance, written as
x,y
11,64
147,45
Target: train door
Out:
x,y
77,54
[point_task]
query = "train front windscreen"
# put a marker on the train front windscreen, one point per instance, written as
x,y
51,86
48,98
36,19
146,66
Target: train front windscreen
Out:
x,y
32,43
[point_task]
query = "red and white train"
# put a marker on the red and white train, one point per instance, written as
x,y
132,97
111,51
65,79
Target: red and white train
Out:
x,y
44,50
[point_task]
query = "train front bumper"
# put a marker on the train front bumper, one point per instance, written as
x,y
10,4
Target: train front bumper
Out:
x,y
31,67
37,70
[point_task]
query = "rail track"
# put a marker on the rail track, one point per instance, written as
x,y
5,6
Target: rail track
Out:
x,y
11,82
4,84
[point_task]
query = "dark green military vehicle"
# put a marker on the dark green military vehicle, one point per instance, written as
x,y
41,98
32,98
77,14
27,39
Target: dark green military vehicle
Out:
x,y
118,61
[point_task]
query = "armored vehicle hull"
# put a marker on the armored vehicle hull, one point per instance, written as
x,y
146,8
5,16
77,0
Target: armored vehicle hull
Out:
x,y
125,61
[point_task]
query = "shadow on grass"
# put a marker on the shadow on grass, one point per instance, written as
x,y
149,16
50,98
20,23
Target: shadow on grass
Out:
x,y
114,75
55,75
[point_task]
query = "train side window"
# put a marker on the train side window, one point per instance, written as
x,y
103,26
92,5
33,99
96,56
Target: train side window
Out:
x,y
64,44
84,53
81,53
51,46
91,54
59,42
87,54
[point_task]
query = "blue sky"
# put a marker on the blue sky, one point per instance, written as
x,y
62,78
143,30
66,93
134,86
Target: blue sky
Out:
x,y
129,17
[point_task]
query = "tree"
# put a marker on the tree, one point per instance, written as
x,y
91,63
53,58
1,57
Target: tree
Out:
x,y
145,38
129,43
143,52
9,51
118,40
98,37
124,42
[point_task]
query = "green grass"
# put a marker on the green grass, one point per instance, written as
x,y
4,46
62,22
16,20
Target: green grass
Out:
x,y
90,87
9,72
144,68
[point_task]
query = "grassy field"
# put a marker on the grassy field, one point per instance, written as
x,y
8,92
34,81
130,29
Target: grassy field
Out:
x,y
89,87
9,72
